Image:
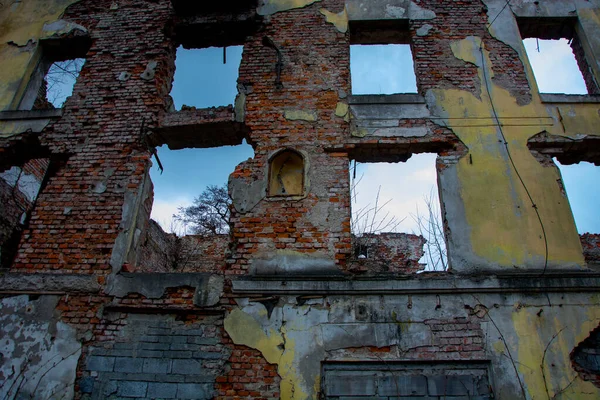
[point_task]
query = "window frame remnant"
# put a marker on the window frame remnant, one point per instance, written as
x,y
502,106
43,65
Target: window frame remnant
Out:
x,y
555,28
276,182
383,32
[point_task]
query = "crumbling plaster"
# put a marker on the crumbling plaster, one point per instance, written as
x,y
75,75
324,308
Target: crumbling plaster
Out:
x,y
528,338
22,25
497,238
38,353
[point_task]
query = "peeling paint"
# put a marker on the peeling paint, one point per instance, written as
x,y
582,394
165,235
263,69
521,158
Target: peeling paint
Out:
x,y
551,337
298,337
22,23
39,353
269,7
339,20
341,109
501,225
300,115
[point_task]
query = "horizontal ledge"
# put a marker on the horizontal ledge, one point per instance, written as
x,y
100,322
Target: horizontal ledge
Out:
x,y
400,98
161,309
421,284
36,283
31,114
569,98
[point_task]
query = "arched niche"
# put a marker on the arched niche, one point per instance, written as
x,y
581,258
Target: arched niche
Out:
x,y
286,174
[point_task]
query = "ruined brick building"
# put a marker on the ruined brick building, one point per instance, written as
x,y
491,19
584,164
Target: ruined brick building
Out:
x,y
97,302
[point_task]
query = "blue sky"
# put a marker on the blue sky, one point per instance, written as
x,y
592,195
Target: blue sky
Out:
x,y
202,80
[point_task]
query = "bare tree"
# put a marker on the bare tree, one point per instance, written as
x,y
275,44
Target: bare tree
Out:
x,y
60,80
430,226
209,213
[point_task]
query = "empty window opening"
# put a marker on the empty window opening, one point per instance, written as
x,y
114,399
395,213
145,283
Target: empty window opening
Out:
x,y
382,69
580,181
398,198
557,56
19,189
286,174
554,66
59,82
206,77
186,175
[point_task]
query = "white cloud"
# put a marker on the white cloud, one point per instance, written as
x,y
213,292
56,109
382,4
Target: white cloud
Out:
x,y
403,186
163,210
554,66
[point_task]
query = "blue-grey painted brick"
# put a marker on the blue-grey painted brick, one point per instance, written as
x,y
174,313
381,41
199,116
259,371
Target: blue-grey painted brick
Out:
x,y
132,389
162,390
149,339
179,339
189,332
128,364
86,384
452,385
403,385
350,384
186,367
109,388
194,391
159,331
149,353
156,365
170,378
100,363
124,376
123,346
202,340
165,339
200,378
154,346
185,346
178,354
207,355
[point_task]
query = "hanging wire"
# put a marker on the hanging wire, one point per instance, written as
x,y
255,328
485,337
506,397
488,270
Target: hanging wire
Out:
x,y
505,142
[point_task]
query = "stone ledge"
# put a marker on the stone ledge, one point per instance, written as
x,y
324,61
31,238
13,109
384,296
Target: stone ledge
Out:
x,y
36,283
569,98
435,283
400,98
209,287
33,114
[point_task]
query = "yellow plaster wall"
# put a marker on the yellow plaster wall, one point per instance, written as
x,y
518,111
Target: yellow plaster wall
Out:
x,y
544,343
21,25
503,224
245,329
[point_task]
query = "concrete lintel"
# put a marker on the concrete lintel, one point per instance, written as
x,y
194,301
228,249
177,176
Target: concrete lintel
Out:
x,y
33,114
209,287
400,98
60,283
423,284
569,98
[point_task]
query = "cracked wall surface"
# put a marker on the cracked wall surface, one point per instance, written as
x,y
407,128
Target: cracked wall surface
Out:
x,y
39,353
281,307
527,339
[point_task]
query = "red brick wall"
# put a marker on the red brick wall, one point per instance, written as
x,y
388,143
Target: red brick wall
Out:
x,y
315,68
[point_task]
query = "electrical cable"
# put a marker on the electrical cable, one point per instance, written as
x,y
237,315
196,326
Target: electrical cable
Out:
x,y
505,142
497,15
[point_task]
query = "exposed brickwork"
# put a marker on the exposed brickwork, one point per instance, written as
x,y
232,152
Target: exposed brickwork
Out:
x,y
100,127
307,86
590,242
248,375
165,252
584,66
388,253
92,216
19,188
